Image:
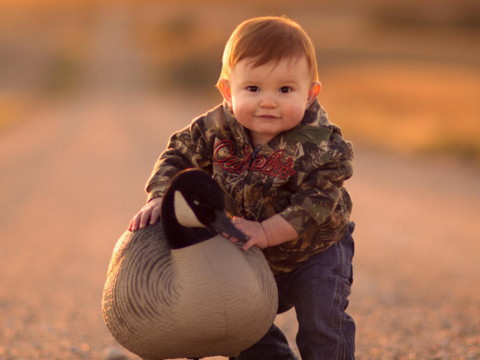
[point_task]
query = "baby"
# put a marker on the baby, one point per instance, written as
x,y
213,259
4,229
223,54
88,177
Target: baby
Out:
x,y
281,165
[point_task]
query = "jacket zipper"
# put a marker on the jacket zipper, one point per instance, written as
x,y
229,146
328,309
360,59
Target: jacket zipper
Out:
x,y
255,152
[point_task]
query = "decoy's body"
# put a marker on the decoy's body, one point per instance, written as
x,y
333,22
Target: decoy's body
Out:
x,y
176,289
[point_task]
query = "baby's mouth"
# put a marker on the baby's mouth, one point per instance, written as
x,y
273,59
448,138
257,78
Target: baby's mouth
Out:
x,y
267,116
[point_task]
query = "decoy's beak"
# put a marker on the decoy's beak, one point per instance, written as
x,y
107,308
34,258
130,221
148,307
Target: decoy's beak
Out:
x,y
224,226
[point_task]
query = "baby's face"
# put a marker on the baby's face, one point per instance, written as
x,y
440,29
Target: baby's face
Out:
x,y
270,98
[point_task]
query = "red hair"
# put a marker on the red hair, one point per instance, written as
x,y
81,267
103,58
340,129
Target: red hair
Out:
x,y
267,39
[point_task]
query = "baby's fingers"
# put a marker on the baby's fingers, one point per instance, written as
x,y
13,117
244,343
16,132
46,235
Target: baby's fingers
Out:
x,y
134,223
248,245
145,218
155,215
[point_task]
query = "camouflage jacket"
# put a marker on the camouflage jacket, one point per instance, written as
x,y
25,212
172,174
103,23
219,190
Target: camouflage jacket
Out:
x,y
298,175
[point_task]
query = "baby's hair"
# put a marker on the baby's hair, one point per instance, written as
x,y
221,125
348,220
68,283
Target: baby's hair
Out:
x,y
267,39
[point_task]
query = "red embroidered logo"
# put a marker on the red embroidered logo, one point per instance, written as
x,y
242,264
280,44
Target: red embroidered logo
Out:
x,y
277,164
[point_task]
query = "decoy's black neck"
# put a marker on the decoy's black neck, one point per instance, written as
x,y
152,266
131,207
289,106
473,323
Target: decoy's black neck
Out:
x,y
179,236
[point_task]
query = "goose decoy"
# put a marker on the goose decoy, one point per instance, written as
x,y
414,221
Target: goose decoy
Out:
x,y
181,289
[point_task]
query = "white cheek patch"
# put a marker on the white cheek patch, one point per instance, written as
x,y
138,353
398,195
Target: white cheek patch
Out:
x,y
184,213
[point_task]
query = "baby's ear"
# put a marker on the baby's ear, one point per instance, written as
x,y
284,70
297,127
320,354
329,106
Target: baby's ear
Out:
x,y
313,92
224,87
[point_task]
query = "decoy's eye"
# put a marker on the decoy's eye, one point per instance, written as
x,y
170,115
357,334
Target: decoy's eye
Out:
x,y
196,202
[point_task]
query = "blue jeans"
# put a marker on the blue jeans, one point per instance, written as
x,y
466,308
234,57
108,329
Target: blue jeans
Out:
x,y
318,290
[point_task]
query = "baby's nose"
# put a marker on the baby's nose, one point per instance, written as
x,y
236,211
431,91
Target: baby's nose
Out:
x,y
268,101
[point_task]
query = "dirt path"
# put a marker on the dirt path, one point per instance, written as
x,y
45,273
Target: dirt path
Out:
x,y
417,292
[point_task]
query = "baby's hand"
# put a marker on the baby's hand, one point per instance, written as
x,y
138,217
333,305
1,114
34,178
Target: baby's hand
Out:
x,y
148,215
255,232
270,232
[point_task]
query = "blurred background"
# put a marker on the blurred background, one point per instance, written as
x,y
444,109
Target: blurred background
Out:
x,y
91,90
400,75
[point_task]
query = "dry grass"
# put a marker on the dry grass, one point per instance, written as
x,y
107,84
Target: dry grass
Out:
x,y
11,107
408,108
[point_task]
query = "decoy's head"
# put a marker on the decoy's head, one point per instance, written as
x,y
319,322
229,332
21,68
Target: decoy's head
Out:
x,y
193,210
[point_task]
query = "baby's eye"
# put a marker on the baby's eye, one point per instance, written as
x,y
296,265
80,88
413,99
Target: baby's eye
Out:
x,y
285,89
253,88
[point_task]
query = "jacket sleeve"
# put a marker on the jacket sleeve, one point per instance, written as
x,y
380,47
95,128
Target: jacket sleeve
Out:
x,y
186,148
320,192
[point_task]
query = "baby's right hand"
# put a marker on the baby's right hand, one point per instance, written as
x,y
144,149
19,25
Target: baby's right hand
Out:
x,y
148,215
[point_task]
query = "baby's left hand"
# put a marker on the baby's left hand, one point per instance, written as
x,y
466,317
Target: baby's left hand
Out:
x,y
255,232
